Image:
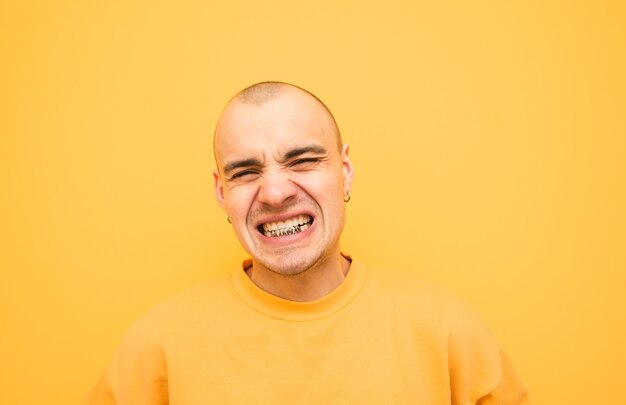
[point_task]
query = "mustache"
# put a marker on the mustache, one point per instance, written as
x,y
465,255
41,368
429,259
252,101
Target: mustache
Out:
x,y
291,206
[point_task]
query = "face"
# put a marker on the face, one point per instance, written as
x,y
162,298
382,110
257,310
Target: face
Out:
x,y
281,179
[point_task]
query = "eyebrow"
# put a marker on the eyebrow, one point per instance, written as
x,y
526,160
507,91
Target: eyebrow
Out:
x,y
303,150
230,166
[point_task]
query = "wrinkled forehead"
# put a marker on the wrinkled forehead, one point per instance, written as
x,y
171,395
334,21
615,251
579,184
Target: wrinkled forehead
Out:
x,y
287,121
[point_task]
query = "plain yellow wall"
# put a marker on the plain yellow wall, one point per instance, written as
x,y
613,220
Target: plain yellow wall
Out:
x,y
488,139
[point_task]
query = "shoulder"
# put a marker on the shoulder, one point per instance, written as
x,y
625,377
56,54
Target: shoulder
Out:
x,y
214,289
474,354
418,300
412,290
204,300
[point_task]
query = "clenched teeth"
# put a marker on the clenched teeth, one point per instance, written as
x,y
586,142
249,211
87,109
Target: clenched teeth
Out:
x,y
288,227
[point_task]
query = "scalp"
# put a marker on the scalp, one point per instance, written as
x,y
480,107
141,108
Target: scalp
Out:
x,y
263,92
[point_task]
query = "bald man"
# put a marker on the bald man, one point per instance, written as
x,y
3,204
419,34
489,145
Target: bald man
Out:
x,y
282,177
301,321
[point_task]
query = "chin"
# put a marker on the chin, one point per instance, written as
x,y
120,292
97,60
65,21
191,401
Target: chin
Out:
x,y
289,263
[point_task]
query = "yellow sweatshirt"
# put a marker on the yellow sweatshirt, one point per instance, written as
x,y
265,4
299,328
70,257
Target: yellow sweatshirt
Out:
x,y
381,337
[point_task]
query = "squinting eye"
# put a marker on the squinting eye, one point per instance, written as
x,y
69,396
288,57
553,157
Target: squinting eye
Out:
x,y
304,161
244,173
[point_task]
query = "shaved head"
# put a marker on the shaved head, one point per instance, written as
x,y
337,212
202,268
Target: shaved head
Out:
x,y
263,92
280,159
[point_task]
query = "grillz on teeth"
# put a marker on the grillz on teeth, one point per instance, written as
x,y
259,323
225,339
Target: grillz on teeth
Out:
x,y
289,227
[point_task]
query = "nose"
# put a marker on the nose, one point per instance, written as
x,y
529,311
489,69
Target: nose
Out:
x,y
276,188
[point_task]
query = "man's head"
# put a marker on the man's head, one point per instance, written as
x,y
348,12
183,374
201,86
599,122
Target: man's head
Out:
x,y
282,173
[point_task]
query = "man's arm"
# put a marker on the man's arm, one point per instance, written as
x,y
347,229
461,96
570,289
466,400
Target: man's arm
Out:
x,y
138,373
510,390
480,371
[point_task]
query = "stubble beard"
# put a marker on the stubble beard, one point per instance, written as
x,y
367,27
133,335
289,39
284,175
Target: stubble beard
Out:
x,y
290,262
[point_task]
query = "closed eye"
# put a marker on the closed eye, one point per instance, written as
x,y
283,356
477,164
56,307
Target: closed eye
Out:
x,y
305,161
242,174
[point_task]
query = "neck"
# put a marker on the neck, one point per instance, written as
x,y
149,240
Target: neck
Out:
x,y
310,285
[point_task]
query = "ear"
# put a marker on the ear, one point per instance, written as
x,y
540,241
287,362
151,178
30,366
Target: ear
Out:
x,y
347,168
219,189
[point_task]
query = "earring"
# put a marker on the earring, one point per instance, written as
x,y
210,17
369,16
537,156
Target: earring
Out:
x,y
347,197
228,219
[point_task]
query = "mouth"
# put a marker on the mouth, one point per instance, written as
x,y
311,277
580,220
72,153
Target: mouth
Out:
x,y
291,226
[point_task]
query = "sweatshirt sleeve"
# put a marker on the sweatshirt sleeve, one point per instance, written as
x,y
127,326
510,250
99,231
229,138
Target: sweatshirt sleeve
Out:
x,y
138,373
509,390
480,371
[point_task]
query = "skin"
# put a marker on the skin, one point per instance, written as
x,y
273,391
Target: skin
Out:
x,y
278,159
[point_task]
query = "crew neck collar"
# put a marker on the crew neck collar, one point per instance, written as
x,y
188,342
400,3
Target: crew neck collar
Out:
x,y
281,308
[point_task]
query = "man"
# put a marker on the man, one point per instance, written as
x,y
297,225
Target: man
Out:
x,y
301,322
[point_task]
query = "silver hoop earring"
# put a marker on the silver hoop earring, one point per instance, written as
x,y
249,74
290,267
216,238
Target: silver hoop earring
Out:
x,y
347,197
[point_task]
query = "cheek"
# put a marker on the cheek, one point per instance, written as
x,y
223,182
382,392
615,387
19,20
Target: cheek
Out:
x,y
321,182
238,199
326,190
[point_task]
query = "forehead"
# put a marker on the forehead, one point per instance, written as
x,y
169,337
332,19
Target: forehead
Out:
x,y
284,122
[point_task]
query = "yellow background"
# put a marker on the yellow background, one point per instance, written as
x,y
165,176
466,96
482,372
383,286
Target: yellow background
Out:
x,y
488,139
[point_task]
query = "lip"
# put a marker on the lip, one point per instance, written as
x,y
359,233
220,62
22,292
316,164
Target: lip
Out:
x,y
283,217
286,239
